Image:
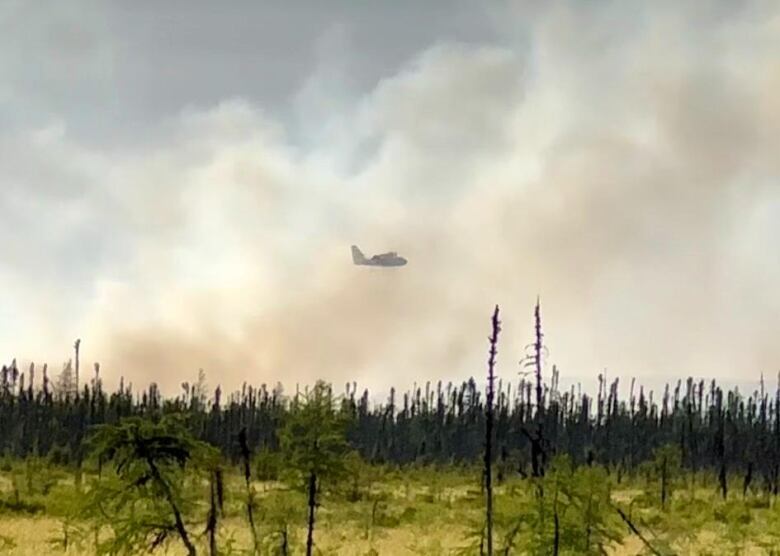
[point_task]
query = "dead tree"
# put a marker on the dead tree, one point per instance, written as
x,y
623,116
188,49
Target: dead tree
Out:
x,y
489,418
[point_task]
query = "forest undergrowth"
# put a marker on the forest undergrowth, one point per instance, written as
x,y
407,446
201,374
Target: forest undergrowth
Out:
x,y
389,510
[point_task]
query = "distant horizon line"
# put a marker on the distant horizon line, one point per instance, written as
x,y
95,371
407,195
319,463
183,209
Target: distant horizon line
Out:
x,y
563,385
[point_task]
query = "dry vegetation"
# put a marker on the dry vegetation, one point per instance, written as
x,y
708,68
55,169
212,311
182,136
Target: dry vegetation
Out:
x,y
421,516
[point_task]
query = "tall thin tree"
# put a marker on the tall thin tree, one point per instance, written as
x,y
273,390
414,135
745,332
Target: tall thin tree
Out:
x,y
246,457
535,360
76,347
489,418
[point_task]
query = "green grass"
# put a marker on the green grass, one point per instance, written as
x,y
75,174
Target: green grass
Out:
x,y
400,512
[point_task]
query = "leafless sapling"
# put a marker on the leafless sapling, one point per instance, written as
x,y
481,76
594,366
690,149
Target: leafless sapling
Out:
x,y
489,417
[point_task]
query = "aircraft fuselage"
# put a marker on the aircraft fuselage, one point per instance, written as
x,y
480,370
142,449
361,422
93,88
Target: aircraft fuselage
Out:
x,y
385,259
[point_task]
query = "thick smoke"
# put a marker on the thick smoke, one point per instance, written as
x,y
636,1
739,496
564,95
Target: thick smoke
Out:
x,y
621,165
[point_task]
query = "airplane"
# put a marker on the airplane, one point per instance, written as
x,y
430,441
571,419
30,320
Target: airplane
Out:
x,y
385,259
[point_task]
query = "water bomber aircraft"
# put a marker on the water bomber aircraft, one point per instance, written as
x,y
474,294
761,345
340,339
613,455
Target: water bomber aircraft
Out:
x,y
384,259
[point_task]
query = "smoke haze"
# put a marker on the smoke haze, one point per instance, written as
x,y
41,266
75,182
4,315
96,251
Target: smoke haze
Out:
x,y
185,197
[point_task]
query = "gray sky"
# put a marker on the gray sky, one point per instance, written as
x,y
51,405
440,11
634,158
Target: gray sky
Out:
x,y
181,181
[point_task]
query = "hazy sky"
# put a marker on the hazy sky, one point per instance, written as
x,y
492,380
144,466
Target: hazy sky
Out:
x,y
180,183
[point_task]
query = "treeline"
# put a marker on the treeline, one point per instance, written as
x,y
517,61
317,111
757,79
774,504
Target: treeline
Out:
x,y
719,431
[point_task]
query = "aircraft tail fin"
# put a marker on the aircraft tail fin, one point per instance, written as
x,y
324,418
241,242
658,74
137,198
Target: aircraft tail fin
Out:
x,y
357,255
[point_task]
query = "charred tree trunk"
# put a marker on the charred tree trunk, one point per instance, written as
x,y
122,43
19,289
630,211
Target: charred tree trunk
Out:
x,y
723,482
720,445
212,520
312,507
489,417
250,502
285,542
76,346
748,479
538,446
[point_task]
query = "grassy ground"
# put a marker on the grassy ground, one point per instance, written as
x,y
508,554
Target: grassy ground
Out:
x,y
416,512
32,537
